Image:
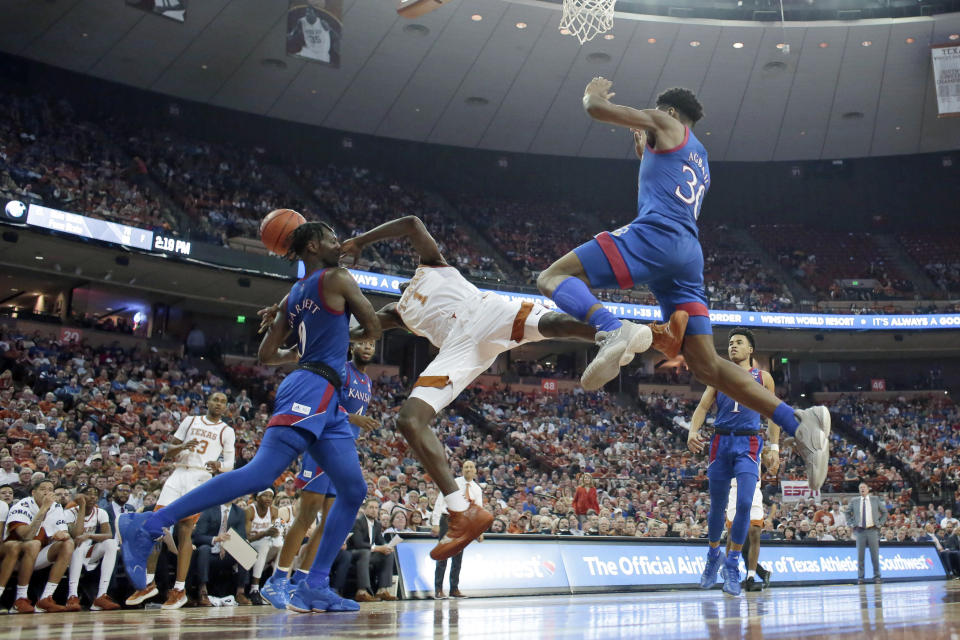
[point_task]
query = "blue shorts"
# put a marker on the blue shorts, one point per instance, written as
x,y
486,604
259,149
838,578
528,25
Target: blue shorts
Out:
x,y
308,401
669,262
732,455
312,478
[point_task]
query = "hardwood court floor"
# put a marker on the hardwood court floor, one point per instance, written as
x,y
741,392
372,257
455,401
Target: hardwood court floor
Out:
x,y
917,611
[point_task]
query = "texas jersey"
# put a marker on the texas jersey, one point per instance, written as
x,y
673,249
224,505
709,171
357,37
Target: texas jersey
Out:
x,y
24,511
316,40
673,183
355,396
91,522
732,415
213,440
432,300
323,334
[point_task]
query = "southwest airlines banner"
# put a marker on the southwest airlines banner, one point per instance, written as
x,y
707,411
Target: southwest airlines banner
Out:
x,y
576,565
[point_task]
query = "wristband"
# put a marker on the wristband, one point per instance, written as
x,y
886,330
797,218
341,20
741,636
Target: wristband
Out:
x,y
774,447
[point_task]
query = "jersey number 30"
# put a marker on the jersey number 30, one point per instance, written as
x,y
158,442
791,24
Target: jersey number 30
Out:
x,y
695,197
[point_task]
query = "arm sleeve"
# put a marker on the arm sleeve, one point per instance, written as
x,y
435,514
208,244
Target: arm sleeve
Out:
x,y
229,437
438,508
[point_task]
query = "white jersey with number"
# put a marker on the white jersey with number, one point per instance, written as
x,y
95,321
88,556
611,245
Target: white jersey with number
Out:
x,y
91,522
24,511
436,300
214,439
316,40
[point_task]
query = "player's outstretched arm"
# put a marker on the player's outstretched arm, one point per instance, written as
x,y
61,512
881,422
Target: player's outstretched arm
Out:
x,y
388,317
340,282
409,227
596,102
271,347
694,441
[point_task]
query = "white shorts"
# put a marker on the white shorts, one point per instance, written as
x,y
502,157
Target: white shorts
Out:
x,y
756,509
43,558
93,554
496,326
181,482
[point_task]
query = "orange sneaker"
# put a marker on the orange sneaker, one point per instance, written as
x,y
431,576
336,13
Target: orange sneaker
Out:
x,y
465,527
104,603
176,598
22,605
143,595
668,336
47,605
73,604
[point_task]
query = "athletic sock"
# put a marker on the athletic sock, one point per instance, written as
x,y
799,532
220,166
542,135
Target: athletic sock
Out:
x,y
733,557
751,574
575,298
150,578
48,590
254,588
281,572
1,591
22,591
456,501
713,552
180,586
783,416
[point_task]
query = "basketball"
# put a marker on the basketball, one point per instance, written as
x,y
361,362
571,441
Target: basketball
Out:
x,y
276,227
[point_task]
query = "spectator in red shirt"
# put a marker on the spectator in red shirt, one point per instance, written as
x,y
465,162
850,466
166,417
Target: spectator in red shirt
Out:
x,y
586,497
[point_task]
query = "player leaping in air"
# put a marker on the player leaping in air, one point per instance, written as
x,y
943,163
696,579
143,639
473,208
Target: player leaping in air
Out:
x,y
471,329
660,249
306,417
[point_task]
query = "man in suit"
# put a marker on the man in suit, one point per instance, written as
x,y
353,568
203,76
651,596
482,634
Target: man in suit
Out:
x,y
213,528
949,557
439,524
117,504
867,513
371,554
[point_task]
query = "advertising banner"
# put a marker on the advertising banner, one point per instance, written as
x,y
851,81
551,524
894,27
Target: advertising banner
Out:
x,y
314,30
946,74
564,564
794,490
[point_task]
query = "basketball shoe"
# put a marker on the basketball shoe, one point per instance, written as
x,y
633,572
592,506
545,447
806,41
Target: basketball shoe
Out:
x,y
709,576
465,527
306,599
813,443
276,590
617,349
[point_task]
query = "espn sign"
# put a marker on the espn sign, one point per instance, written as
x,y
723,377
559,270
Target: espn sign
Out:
x,y
794,490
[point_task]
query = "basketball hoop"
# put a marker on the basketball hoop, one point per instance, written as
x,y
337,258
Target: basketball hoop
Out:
x,y
587,19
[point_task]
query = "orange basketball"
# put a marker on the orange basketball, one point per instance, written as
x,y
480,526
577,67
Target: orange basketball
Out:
x,y
275,229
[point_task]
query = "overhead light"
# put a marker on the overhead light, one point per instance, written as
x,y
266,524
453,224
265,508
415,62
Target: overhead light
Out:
x,y
608,36
651,41
738,45
866,43
521,25
899,127
565,31
910,40
781,45
694,43
708,133
313,90
476,17
203,66
84,35
38,257
823,45
803,133
954,36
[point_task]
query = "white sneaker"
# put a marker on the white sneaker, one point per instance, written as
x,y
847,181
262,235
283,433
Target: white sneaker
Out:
x,y
617,349
813,443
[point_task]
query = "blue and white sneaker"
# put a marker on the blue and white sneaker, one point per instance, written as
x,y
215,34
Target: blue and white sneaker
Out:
x,y
137,544
731,576
276,590
306,599
709,576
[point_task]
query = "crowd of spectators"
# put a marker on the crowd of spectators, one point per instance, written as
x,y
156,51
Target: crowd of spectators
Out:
x,y
938,254
566,463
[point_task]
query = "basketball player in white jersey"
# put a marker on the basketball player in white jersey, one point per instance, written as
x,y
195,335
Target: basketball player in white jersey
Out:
x,y
198,445
471,329
94,545
316,36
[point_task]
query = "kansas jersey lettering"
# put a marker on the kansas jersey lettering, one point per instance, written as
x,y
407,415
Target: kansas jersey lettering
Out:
x,y
673,184
323,334
733,415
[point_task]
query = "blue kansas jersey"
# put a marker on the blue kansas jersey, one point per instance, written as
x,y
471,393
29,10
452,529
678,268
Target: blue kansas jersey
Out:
x,y
673,184
733,416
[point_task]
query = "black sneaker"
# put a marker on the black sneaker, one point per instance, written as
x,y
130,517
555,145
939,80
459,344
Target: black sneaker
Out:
x,y
256,599
751,584
764,575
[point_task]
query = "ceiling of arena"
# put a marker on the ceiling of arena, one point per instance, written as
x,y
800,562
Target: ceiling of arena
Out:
x,y
488,84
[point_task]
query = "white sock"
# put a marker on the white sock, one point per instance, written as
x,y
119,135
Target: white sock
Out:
x,y
76,567
751,574
107,564
22,591
456,501
150,578
1,591
255,588
180,585
48,590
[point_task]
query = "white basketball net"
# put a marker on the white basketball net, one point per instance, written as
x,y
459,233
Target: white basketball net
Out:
x,y
587,18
